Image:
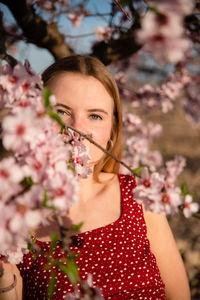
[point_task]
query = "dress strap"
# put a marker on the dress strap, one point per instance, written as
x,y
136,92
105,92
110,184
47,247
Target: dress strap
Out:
x,y
127,185
130,207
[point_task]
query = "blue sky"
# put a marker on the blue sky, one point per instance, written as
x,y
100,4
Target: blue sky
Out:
x,y
41,58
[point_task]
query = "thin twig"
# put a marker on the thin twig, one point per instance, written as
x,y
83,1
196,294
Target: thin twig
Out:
x,y
123,10
80,35
9,59
63,230
88,137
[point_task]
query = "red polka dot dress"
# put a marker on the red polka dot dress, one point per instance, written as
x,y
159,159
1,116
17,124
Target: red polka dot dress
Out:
x,y
117,255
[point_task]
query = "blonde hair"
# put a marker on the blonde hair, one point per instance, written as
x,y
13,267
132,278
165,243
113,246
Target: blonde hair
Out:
x,y
91,66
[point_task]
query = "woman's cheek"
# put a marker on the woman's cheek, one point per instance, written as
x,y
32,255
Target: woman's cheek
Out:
x,y
101,136
102,139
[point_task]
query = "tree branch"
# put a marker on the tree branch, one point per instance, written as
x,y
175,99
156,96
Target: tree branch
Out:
x,y
116,49
38,31
88,137
116,2
3,54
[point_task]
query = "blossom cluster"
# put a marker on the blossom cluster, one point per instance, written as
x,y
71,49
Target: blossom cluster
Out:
x,y
37,178
156,187
164,95
162,31
61,6
181,85
76,16
103,33
158,193
87,285
138,138
47,5
191,103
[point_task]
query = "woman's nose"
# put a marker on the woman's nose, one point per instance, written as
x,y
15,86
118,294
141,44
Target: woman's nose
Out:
x,y
78,123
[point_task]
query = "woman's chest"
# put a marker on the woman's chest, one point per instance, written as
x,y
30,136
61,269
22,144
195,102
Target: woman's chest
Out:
x,y
97,211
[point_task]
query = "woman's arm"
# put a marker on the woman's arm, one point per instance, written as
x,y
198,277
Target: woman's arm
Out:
x,y
7,280
168,258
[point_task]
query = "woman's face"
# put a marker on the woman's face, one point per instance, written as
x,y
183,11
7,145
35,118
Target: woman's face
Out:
x,y
84,103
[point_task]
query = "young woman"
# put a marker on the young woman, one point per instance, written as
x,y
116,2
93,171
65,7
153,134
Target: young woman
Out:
x,y
130,253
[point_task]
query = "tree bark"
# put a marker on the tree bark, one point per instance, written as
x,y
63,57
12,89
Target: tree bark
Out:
x,y
38,31
116,49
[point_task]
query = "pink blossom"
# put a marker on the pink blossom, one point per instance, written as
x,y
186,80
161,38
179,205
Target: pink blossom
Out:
x,y
152,192
171,89
148,95
165,95
133,161
80,155
121,79
10,171
171,200
103,33
149,189
174,168
62,191
152,159
137,144
151,130
179,6
10,177
166,105
162,33
12,245
20,130
47,5
41,154
189,206
16,255
131,121
191,103
76,18
18,88
90,292
32,199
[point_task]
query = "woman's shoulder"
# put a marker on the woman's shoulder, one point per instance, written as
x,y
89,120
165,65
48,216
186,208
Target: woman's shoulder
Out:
x,y
169,261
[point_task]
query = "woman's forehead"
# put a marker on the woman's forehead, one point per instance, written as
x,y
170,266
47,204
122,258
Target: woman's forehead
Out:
x,y
69,86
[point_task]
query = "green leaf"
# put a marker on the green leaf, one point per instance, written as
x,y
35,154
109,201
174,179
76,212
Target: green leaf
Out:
x,y
192,195
32,240
76,227
46,94
51,285
45,199
27,182
71,270
138,170
52,114
72,256
184,189
54,239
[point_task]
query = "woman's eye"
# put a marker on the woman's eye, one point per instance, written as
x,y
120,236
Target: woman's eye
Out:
x,y
62,112
95,117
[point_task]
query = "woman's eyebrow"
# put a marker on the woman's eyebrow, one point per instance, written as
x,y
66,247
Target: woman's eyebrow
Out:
x,y
63,105
98,110
89,110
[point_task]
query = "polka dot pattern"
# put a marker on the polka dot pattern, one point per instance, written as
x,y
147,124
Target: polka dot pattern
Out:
x,y
117,255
